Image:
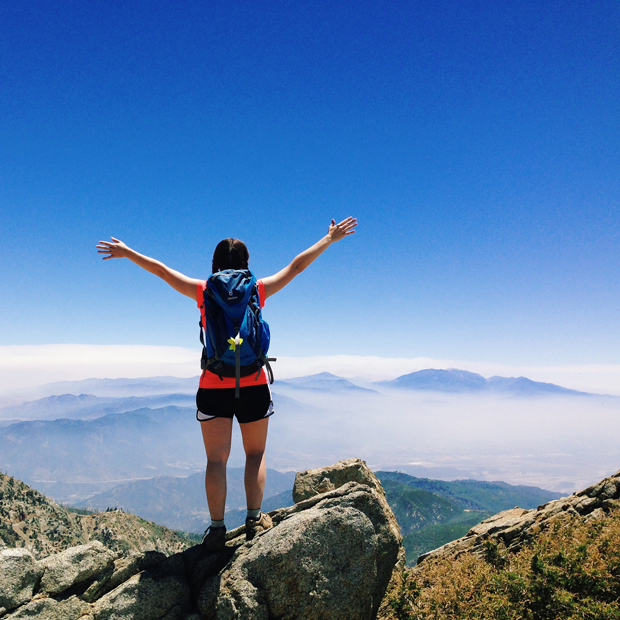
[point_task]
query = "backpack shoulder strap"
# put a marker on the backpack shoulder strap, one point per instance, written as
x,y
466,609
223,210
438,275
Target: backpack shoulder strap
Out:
x,y
201,300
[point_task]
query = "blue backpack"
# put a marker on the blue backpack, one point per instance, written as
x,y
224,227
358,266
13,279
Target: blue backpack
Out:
x,y
237,338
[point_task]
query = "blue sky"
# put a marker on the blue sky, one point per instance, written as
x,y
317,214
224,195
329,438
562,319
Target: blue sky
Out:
x,y
477,143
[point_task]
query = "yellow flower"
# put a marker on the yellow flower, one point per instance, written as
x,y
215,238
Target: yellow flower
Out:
x,y
233,342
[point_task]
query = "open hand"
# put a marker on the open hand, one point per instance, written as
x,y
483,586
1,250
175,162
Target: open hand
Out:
x,y
114,249
345,228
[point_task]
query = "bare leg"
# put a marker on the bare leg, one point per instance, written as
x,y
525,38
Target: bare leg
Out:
x,y
216,435
254,439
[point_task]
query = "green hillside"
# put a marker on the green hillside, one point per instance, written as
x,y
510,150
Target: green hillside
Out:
x,y
431,513
475,494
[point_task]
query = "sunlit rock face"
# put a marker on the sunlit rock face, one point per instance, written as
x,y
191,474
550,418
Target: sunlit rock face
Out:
x,y
330,556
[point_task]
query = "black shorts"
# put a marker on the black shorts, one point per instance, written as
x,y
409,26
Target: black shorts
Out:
x,y
254,403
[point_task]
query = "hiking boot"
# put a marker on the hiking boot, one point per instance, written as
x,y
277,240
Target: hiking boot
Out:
x,y
214,538
256,526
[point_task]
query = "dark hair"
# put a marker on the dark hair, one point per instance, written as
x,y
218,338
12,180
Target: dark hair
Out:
x,y
230,254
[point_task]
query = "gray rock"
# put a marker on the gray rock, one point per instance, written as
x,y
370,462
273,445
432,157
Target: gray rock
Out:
x,y
312,482
121,571
595,515
332,560
201,566
586,505
157,593
18,577
50,609
99,585
329,559
63,570
315,481
611,504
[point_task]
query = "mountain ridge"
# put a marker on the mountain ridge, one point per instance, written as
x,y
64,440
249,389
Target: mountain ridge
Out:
x,y
452,380
179,502
89,406
325,381
29,519
457,381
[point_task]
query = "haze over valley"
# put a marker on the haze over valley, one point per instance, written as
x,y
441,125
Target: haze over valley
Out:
x,y
82,437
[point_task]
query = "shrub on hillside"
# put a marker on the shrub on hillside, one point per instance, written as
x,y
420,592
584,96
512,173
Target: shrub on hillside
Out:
x,y
571,571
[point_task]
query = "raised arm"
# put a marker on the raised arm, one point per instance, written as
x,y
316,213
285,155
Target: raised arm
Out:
x,y
336,232
117,249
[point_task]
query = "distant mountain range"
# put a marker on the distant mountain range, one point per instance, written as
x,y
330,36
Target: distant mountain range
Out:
x,y
143,386
88,406
94,397
77,443
71,458
109,396
117,446
325,381
454,380
180,503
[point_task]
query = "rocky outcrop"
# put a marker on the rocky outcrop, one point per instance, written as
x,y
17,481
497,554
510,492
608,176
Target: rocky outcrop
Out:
x,y
30,520
312,482
330,556
517,526
18,577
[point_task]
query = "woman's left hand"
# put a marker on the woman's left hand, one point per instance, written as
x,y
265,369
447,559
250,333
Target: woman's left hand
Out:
x,y
342,230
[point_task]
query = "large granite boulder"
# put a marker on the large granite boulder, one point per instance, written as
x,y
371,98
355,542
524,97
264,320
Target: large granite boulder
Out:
x,y
313,482
330,556
160,592
70,608
19,575
517,526
68,568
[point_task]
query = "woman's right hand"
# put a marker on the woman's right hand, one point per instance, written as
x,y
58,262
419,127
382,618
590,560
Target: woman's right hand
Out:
x,y
114,249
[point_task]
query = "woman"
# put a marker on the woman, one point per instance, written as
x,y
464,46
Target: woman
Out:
x,y
216,402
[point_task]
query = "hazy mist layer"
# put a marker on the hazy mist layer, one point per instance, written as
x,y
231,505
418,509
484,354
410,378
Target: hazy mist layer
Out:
x,y
560,443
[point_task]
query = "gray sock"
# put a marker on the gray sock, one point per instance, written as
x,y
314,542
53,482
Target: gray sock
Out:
x,y
253,514
215,523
